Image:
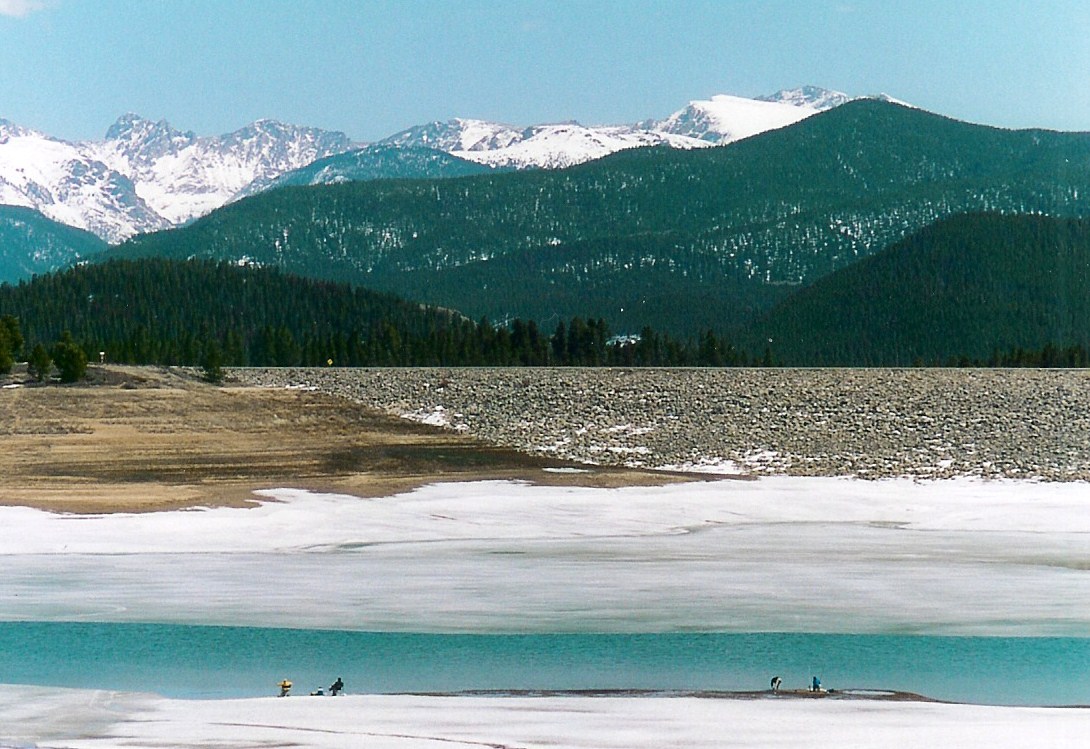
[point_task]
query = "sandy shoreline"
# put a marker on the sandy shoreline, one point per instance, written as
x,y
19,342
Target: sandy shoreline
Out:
x,y
137,439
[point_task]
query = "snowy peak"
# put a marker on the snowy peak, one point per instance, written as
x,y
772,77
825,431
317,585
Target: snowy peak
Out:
x,y
457,135
549,146
567,144
9,129
146,175
68,183
814,97
135,143
276,147
724,118
132,128
721,119
182,176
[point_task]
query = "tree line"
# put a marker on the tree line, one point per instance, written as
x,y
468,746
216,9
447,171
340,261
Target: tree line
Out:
x,y
204,313
166,312
68,357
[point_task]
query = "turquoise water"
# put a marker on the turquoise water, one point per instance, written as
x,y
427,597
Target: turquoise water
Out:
x,y
214,662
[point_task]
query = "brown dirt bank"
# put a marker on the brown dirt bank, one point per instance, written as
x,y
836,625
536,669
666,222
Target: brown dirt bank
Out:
x,y
141,439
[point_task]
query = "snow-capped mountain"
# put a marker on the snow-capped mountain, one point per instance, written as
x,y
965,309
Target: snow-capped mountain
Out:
x,y
723,119
146,175
814,97
539,146
822,98
182,176
68,184
719,120
457,135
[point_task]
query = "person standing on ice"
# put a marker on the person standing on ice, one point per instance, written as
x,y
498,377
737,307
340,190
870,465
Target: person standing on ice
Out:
x,y
815,685
336,687
775,683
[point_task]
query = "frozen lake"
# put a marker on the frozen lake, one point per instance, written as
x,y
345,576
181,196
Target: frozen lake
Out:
x,y
774,555
944,587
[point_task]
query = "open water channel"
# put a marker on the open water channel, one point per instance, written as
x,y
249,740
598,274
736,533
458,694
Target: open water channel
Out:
x,y
215,662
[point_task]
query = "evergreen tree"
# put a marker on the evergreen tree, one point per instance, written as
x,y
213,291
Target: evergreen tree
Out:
x,y
213,362
560,344
11,341
70,359
10,324
40,363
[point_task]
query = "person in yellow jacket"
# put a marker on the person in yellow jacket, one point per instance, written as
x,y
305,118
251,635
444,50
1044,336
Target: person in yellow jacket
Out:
x,y
285,687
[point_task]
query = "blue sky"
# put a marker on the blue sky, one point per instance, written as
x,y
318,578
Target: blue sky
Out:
x,y
372,67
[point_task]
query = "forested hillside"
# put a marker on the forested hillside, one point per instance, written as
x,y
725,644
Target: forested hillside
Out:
x,y
674,239
377,162
164,311
970,289
159,311
31,243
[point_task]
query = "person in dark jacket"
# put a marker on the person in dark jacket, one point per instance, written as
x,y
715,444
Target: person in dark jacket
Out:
x,y
336,687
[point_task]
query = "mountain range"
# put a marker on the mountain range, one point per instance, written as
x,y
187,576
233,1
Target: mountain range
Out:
x,y
830,230
146,175
681,240
717,121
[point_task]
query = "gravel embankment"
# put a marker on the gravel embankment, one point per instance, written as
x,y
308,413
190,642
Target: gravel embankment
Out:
x,y
870,423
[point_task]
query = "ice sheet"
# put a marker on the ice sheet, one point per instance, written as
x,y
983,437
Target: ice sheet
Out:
x,y
789,554
95,720
300,521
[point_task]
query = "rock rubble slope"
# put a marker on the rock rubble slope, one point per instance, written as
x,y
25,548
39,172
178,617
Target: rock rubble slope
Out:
x,y
867,423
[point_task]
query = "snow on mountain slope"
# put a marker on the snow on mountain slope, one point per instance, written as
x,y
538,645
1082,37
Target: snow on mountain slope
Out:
x,y
146,175
457,135
814,97
723,118
182,176
822,98
550,146
566,144
68,184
